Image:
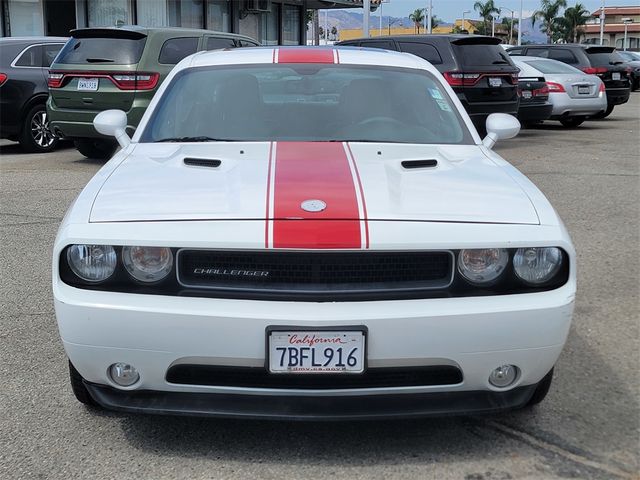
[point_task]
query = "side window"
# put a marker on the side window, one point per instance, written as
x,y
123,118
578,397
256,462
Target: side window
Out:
x,y
32,57
175,49
383,44
563,55
349,44
215,43
50,52
422,50
538,52
515,51
244,43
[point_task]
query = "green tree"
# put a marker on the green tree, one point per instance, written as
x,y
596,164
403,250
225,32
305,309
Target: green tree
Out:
x,y
570,24
548,16
417,17
435,21
486,11
513,29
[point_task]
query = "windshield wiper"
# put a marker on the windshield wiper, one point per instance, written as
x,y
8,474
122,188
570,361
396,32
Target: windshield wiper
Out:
x,y
99,60
615,63
194,139
500,62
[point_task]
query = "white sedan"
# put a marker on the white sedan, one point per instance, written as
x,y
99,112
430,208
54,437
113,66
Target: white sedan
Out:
x,y
313,234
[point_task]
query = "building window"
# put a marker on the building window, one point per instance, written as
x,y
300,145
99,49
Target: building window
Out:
x,y
290,25
107,13
25,17
151,13
269,34
186,13
219,15
632,42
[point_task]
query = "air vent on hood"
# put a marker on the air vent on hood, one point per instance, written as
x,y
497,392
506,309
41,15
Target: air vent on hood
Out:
x,y
202,162
409,164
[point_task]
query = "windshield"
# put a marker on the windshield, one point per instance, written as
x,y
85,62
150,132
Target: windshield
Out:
x,y
604,59
305,102
552,66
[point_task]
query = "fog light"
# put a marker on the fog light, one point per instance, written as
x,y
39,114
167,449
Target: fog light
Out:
x,y
503,376
124,374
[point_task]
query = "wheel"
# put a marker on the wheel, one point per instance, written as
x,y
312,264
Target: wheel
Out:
x,y
606,113
36,136
541,390
78,387
635,83
96,148
572,122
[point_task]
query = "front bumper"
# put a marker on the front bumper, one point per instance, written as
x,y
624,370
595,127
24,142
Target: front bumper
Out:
x,y
361,407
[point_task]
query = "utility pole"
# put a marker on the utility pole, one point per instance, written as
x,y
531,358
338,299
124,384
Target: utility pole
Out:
x,y
430,18
493,26
520,25
326,26
602,23
365,18
316,27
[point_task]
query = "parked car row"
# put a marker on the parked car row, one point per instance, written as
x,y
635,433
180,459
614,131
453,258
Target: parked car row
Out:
x,y
104,68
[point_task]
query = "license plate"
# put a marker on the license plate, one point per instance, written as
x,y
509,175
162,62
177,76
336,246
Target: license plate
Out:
x,y
495,82
584,90
316,351
527,94
90,84
615,76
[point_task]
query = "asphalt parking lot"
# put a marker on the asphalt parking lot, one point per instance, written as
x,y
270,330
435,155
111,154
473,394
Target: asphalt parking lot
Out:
x,y
588,427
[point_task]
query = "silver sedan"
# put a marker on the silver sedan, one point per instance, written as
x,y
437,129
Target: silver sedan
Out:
x,y
574,94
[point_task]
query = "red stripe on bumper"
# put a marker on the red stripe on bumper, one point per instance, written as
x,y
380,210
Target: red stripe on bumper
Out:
x,y
305,171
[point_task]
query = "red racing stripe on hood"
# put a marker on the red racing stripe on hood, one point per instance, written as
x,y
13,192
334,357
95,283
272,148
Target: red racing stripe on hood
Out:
x,y
314,171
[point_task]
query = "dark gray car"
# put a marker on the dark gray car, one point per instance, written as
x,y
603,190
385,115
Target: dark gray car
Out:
x,y
24,64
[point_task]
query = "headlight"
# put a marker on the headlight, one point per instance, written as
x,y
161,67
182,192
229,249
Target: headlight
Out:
x,y
147,264
482,266
92,263
537,265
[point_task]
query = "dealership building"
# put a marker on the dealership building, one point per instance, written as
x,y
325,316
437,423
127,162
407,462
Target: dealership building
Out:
x,y
271,22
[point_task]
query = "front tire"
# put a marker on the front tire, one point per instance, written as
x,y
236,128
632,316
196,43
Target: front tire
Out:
x,y
541,390
78,387
572,122
36,135
96,148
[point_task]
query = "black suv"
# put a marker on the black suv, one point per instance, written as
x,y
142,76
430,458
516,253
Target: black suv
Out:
x,y
477,68
604,62
24,64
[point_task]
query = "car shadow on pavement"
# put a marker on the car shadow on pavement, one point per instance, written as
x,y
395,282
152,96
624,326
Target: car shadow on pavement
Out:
x,y
567,422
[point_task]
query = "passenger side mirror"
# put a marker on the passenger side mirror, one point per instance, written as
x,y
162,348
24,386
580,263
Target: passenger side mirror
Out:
x,y
500,126
113,123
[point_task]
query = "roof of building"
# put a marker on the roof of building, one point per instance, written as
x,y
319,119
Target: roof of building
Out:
x,y
613,28
635,10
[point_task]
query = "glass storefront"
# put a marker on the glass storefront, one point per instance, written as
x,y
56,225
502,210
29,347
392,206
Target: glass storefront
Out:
x,y
186,13
290,25
270,22
152,13
219,15
25,17
108,13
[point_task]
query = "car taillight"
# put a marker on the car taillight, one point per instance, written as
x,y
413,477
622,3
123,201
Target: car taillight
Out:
x,y
137,81
461,79
514,78
602,88
3,78
594,70
55,80
555,87
542,92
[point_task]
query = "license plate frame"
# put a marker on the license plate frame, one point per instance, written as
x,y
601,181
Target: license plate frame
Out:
x,y
527,94
584,90
615,76
331,330
89,84
495,81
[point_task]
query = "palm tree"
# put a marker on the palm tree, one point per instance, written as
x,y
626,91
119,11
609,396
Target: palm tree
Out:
x,y
574,18
486,11
512,26
435,21
548,15
417,17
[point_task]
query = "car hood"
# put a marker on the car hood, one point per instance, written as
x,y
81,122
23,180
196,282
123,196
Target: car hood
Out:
x,y
263,180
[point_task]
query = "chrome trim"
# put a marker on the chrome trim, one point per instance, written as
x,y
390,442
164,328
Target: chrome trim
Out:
x,y
13,64
282,291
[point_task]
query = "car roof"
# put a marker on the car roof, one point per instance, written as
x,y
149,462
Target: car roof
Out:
x,y
447,37
31,40
340,55
151,30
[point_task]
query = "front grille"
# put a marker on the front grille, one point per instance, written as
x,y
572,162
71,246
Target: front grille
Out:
x,y
315,273
253,377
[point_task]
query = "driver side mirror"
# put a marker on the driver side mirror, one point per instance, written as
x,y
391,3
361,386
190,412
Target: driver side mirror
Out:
x,y
113,123
500,126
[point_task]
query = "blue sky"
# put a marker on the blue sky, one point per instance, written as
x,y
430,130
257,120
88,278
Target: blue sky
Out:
x,y
450,9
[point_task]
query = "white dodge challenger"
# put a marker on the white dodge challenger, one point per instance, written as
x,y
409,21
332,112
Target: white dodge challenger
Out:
x,y
310,234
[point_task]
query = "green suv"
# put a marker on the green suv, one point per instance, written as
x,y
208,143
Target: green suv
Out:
x,y
103,68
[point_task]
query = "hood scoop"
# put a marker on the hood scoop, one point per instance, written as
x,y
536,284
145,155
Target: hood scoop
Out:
x,y
411,164
202,162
